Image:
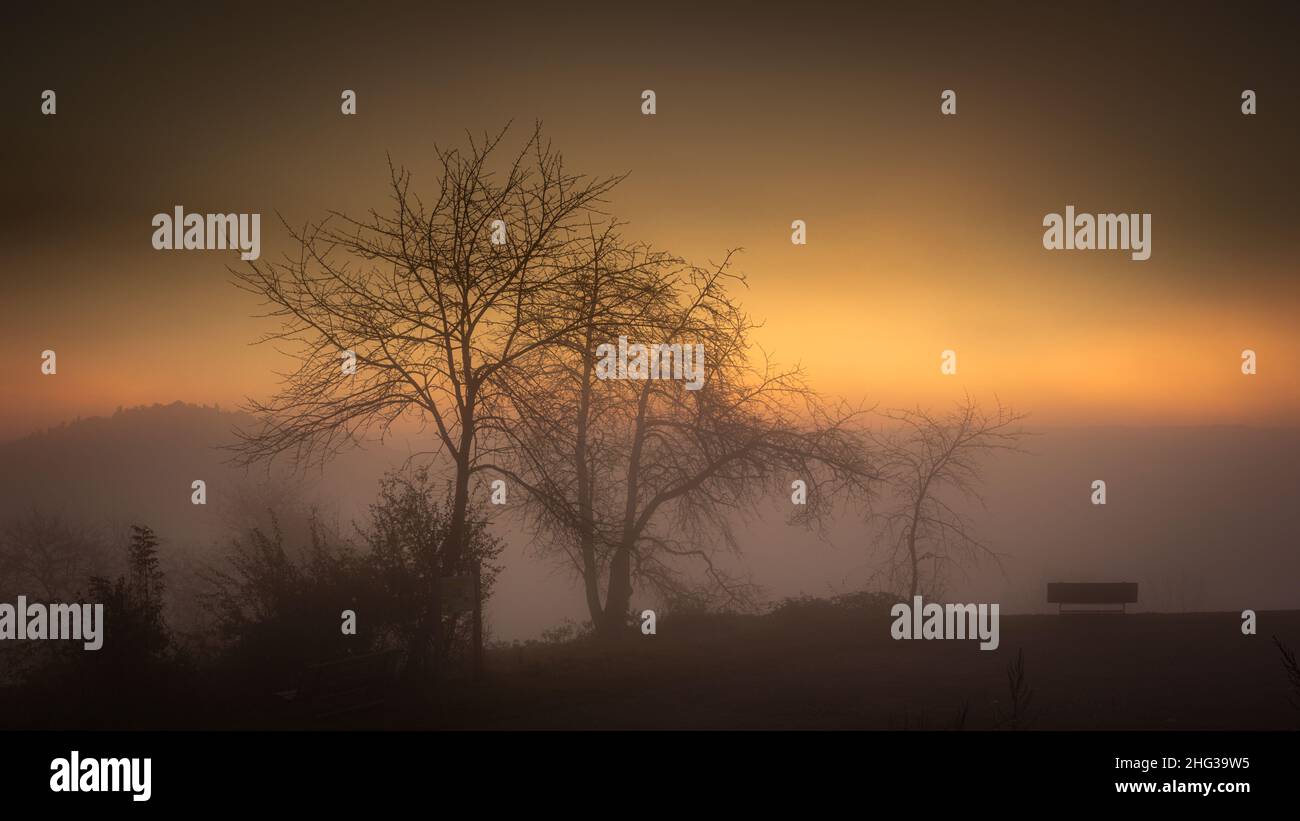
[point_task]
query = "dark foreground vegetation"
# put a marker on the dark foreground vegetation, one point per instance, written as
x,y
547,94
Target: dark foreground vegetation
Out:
x,y
806,663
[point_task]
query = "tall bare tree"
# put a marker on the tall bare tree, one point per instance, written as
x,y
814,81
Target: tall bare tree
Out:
x,y
640,481
432,304
926,459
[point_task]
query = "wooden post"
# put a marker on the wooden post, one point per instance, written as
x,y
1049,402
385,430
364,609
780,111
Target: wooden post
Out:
x,y
478,624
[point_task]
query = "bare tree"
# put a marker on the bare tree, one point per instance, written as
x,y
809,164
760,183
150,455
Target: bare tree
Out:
x,y
637,481
42,555
432,305
926,459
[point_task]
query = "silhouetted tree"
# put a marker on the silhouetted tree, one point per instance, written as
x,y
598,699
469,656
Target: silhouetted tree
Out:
x,y
406,535
633,482
146,582
138,676
925,458
43,555
135,626
432,307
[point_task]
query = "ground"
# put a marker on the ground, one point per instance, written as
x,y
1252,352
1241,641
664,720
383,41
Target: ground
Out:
x,y
811,664
835,669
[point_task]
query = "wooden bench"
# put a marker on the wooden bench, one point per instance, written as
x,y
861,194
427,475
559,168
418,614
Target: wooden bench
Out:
x,y
345,685
1091,594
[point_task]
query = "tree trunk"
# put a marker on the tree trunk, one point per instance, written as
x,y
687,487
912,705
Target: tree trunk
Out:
x,y
454,546
586,514
916,565
619,595
614,619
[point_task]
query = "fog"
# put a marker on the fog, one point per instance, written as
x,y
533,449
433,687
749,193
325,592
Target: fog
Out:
x,y
1202,518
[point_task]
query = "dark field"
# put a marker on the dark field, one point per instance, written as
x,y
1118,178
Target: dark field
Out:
x,y
807,665
830,669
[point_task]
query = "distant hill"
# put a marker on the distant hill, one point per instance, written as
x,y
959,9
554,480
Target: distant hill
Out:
x,y
138,465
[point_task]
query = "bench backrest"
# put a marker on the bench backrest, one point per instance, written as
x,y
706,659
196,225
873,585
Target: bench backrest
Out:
x,y
1092,592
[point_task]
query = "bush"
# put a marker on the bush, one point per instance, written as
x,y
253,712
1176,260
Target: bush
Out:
x,y
279,611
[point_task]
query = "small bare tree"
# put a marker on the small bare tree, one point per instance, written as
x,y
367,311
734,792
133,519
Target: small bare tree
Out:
x,y
926,459
43,555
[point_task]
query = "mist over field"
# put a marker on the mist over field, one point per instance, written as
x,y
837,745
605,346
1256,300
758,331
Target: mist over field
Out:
x,y
1203,518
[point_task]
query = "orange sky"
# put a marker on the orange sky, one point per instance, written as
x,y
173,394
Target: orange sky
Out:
x,y
924,231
